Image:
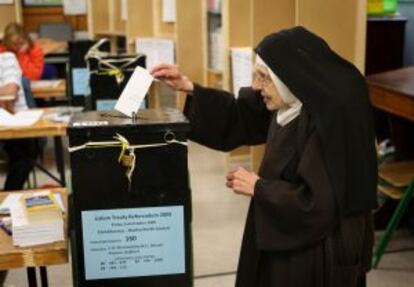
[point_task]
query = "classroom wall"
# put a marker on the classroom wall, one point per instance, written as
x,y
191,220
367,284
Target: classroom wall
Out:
x,y
406,8
33,16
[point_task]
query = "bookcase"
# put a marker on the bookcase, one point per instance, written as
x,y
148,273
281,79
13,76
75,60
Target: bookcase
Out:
x,y
10,13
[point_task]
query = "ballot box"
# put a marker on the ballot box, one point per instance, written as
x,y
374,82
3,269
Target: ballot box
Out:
x,y
131,199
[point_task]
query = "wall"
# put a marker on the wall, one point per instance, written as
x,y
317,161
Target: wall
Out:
x,y
406,8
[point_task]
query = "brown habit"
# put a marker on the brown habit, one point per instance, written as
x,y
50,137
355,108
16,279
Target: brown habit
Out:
x,y
293,234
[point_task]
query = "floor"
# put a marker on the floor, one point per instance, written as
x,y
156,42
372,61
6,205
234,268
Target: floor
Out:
x,y
219,217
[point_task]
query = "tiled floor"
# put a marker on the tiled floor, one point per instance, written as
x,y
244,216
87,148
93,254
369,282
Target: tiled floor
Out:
x,y
217,228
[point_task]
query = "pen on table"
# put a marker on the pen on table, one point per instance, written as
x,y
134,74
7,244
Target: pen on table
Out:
x,y
5,228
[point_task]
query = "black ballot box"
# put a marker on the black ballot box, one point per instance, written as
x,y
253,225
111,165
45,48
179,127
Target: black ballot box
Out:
x,y
131,199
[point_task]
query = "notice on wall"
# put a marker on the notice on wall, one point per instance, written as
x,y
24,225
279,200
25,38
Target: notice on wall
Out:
x,y
124,10
157,50
133,242
242,68
74,7
168,11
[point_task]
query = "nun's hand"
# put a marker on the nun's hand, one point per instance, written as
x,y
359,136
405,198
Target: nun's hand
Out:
x,y
242,181
172,77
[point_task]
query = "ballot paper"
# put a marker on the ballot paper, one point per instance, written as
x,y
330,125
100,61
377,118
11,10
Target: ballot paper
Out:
x,y
134,92
242,68
157,51
20,119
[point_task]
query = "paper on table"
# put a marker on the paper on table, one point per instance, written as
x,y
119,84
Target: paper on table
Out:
x,y
45,84
157,51
134,92
168,10
20,119
242,68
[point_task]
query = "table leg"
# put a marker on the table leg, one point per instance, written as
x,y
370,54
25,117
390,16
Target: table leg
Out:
x,y
43,276
31,276
60,161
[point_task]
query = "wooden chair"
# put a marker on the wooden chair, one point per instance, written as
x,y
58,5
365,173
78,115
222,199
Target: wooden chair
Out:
x,y
396,180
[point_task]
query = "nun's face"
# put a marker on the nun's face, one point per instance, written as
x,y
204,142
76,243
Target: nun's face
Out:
x,y
263,83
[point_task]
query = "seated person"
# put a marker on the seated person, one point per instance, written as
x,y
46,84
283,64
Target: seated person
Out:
x,y
29,54
21,152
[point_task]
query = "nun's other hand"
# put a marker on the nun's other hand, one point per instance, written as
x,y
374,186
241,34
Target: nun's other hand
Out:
x,y
242,181
172,77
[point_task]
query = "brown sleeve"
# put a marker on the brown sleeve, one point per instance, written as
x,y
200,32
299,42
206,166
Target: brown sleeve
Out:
x,y
292,215
222,122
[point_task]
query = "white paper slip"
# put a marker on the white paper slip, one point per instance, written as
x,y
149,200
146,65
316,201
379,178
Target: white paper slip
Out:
x,y
20,119
134,92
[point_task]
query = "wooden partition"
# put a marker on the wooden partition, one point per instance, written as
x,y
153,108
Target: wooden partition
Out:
x,y
341,23
188,32
10,13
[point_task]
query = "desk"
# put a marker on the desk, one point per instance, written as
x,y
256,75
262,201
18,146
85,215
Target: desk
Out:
x,y
51,92
393,92
42,128
37,256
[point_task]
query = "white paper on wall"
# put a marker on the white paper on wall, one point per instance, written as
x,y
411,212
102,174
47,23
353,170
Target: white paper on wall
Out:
x,y
124,10
6,2
74,7
168,11
242,68
216,51
158,51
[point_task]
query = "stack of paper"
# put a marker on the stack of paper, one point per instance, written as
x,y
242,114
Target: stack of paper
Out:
x,y
37,219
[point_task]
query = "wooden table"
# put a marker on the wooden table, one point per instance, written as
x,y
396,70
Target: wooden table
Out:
x,y
393,92
51,92
36,256
42,128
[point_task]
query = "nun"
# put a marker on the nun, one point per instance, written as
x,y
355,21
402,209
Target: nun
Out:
x,y
309,221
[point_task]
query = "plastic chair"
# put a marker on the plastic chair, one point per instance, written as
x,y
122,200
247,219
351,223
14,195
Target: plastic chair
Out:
x,y
396,180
